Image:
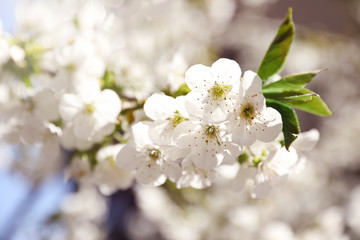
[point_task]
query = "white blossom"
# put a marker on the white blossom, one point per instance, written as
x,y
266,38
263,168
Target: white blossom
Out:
x,y
90,112
214,89
251,119
108,176
150,163
167,113
208,143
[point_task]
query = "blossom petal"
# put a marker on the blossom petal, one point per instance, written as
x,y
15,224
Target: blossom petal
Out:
x,y
206,158
84,126
226,71
150,174
128,158
140,134
171,169
272,129
195,103
283,161
251,83
107,107
159,106
199,77
70,105
306,140
184,134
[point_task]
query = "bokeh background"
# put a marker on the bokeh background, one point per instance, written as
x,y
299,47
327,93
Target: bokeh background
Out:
x,y
321,202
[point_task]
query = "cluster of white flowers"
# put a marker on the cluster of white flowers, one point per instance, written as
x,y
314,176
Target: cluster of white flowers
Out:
x,y
221,128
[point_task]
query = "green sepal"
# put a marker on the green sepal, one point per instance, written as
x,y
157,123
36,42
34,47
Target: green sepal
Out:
x,y
291,127
276,54
242,158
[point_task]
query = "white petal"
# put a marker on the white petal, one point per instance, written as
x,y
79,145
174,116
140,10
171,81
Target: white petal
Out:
x,y
140,134
240,134
217,113
161,132
283,161
243,176
159,107
306,140
68,138
226,71
150,175
180,106
87,88
172,170
199,77
272,129
84,126
206,158
231,153
128,158
70,105
251,83
184,134
47,105
195,103
107,106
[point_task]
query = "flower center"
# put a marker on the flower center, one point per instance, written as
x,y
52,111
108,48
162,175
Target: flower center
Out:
x,y
219,91
154,154
248,112
212,132
89,108
177,118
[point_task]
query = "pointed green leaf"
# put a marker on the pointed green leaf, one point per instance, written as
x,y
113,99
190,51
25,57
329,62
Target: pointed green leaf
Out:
x,y
291,125
276,54
293,82
309,102
284,94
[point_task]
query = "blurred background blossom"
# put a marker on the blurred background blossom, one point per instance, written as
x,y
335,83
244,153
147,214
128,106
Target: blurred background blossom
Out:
x,y
148,45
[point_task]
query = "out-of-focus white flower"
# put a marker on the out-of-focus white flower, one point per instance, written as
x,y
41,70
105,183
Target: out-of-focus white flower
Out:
x,y
276,230
214,89
108,176
70,141
274,170
79,62
270,164
86,204
18,55
353,213
47,105
251,118
92,112
167,113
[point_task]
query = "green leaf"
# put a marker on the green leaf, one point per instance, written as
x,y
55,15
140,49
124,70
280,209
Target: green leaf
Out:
x,y
293,82
291,125
309,102
183,90
276,54
282,94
